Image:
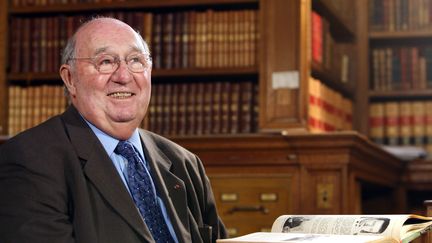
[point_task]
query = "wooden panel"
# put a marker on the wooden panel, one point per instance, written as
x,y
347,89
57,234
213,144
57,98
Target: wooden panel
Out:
x,y
251,202
326,192
362,103
327,172
3,65
283,71
89,6
417,175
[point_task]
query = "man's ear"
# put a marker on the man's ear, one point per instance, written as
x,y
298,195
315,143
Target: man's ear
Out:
x,y
65,74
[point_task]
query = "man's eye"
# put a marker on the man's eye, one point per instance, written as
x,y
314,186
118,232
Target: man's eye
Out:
x,y
134,59
106,61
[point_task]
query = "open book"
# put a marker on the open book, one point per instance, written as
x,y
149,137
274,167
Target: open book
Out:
x,y
341,228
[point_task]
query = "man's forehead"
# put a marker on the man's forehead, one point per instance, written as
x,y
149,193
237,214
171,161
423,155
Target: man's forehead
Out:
x,y
99,41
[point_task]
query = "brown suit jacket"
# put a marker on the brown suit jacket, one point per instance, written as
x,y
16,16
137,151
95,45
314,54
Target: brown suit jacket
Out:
x,y
58,185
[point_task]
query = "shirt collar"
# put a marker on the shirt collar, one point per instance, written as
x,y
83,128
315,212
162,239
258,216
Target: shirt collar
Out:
x,y
109,143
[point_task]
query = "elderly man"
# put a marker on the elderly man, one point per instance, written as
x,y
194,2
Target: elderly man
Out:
x,y
90,175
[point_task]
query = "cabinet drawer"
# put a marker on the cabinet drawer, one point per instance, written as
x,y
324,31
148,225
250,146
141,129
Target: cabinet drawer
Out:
x,y
249,203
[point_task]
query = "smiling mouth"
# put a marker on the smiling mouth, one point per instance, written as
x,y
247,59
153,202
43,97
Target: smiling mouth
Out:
x,y
121,95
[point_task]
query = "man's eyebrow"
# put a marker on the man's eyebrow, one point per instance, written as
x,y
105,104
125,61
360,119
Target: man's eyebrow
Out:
x,y
100,50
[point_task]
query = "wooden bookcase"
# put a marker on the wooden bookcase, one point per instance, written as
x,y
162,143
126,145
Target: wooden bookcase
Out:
x,y
282,69
62,19
257,178
391,49
416,179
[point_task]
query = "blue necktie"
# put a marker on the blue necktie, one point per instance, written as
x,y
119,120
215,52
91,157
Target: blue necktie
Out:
x,y
140,186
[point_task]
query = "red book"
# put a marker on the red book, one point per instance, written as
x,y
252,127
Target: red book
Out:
x,y
419,122
392,124
406,122
317,37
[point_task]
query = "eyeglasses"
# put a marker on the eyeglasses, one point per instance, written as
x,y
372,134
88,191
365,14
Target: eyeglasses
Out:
x,y
106,63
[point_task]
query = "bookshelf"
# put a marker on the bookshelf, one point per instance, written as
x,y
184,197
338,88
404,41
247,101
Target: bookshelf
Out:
x,y
331,64
396,72
192,43
398,114
273,56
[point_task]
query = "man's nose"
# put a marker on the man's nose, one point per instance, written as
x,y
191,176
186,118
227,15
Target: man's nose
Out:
x,y
122,73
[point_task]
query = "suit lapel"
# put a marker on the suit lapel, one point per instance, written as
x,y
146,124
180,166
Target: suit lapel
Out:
x,y
170,188
101,172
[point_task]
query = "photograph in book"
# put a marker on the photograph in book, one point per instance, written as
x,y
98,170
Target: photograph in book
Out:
x,y
358,228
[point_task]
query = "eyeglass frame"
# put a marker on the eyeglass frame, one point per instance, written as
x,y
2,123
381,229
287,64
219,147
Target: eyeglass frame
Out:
x,y
117,61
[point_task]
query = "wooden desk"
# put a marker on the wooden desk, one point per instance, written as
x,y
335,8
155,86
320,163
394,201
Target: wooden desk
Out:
x,y
255,178
417,179
418,175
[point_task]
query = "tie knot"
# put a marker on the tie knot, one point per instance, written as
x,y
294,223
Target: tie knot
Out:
x,y
125,149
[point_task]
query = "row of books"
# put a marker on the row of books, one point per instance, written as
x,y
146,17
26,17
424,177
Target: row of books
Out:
x,y
175,109
396,15
205,39
188,39
402,123
29,106
402,68
326,52
26,3
194,108
203,108
328,109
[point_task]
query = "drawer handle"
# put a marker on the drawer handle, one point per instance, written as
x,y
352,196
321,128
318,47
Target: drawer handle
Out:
x,y
259,208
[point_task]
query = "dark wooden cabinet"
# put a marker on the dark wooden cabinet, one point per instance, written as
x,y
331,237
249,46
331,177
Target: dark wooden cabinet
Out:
x,y
256,178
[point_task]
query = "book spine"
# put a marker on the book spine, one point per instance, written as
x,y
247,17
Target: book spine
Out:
x,y
225,112
317,37
418,108
193,108
392,123
406,122
428,126
234,108
246,107
203,96
157,41
182,108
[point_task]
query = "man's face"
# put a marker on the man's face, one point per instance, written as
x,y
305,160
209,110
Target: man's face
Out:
x,y
116,101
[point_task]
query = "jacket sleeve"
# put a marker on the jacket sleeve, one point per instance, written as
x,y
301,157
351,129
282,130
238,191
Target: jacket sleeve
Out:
x,y
33,198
